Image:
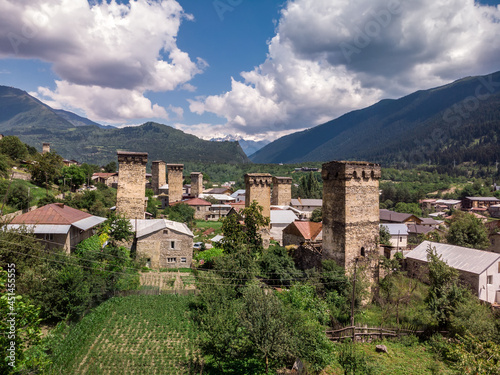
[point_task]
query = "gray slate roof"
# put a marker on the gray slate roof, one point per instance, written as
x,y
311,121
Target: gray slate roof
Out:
x,y
460,258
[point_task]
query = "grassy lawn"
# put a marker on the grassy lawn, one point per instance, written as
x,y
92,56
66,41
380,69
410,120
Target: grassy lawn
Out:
x,y
35,193
201,226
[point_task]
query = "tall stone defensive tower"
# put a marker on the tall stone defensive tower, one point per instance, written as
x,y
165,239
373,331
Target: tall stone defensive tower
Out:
x,y
282,191
350,212
159,175
196,184
130,197
45,147
175,182
258,188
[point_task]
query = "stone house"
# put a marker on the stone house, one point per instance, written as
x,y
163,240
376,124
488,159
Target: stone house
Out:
x,y
163,243
299,232
306,206
57,225
494,210
109,179
478,269
201,207
217,211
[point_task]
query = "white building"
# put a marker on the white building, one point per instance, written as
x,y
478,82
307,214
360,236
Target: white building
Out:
x,y
478,269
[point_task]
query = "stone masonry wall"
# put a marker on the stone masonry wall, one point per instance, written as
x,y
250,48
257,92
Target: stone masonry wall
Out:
x,y
196,184
45,148
350,212
159,175
175,180
258,188
282,191
130,196
157,246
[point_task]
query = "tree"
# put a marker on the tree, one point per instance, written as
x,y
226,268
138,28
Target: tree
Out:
x,y
384,235
18,197
117,228
277,266
445,294
265,320
19,324
13,147
46,168
181,212
73,176
408,208
468,231
111,167
317,215
309,187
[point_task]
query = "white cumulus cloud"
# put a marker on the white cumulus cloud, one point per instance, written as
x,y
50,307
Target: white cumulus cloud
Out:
x,y
107,54
330,57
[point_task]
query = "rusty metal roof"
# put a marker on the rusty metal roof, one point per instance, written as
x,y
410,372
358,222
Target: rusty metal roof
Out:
x,y
54,213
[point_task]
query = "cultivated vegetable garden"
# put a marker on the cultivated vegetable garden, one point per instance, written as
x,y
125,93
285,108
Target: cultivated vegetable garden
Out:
x,y
132,335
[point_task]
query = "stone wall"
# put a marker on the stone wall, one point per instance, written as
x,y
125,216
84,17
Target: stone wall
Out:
x,y
282,191
175,180
350,212
158,175
196,184
158,248
130,197
258,188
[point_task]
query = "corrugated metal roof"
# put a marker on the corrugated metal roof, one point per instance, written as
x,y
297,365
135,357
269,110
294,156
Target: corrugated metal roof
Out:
x,y
282,217
219,197
89,222
145,227
54,213
307,202
488,199
460,258
396,229
42,228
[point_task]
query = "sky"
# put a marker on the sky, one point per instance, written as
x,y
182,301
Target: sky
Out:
x,y
259,69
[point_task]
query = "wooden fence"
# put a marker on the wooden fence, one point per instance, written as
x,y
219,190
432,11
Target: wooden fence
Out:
x,y
366,332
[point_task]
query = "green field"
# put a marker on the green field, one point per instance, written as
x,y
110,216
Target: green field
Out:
x,y
132,335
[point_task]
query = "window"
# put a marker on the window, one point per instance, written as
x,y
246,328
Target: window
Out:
x,y
165,231
148,263
183,260
172,244
400,239
171,260
49,236
489,279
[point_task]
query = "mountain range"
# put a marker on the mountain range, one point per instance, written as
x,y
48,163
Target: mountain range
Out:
x,y
455,123
75,137
249,147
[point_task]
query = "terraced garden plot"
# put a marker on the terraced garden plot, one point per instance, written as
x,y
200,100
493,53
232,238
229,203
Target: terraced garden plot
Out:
x,y
132,335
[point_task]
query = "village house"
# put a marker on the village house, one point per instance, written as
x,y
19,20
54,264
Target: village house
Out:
x,y
479,203
399,236
494,210
387,216
163,243
299,232
201,207
108,179
478,269
306,206
217,211
280,219
219,198
218,190
239,195
57,225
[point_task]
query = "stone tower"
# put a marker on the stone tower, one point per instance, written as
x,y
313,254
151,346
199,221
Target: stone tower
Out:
x,y
130,197
159,175
350,212
175,182
282,191
196,184
258,188
45,147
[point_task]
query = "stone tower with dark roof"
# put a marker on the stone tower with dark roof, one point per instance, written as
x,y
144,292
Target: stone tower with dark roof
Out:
x,y
130,197
350,212
282,191
159,175
175,182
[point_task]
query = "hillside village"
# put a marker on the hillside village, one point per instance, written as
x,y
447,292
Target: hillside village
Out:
x,y
346,226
